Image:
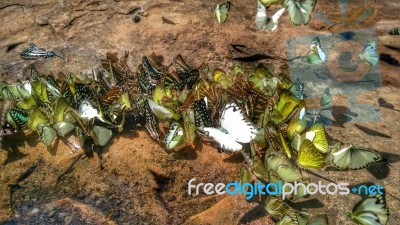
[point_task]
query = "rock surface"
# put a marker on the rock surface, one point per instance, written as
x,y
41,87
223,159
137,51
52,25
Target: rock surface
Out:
x,y
133,180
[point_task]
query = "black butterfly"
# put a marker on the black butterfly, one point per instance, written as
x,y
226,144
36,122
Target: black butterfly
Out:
x,y
202,117
34,52
187,74
151,122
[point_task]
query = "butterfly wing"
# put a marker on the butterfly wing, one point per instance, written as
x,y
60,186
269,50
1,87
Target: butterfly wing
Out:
x,y
321,219
47,133
201,115
371,210
369,54
174,136
261,16
309,156
224,140
234,122
221,11
354,158
300,10
160,111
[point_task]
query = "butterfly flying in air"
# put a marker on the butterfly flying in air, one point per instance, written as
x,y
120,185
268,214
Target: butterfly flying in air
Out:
x,y
371,210
369,54
263,22
316,54
300,11
234,128
221,11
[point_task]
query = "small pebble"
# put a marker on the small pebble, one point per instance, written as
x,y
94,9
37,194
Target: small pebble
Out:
x,y
136,19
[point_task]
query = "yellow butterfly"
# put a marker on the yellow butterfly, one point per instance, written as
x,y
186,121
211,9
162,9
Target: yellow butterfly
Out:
x,y
309,156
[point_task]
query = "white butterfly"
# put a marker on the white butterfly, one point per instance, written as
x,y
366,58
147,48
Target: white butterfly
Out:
x,y
263,22
234,129
86,111
162,113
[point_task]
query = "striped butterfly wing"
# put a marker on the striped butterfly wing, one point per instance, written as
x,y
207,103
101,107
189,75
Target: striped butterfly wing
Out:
x,y
151,122
202,117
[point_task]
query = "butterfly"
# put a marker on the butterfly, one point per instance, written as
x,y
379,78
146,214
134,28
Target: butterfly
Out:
x,y
202,117
174,136
151,122
269,2
297,89
100,135
300,10
263,22
18,117
316,54
189,75
276,207
353,158
283,167
317,136
63,128
309,156
34,52
47,133
86,111
369,54
234,128
371,211
162,113
221,11
296,218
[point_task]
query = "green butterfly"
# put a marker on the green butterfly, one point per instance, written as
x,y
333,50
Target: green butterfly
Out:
x,y
301,218
221,11
316,54
371,211
18,117
175,136
63,128
317,136
300,10
100,135
276,207
269,2
283,167
326,99
353,158
47,133
309,156
369,54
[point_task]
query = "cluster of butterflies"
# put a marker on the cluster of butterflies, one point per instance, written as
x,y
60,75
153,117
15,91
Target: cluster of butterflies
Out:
x,y
317,55
252,111
299,12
